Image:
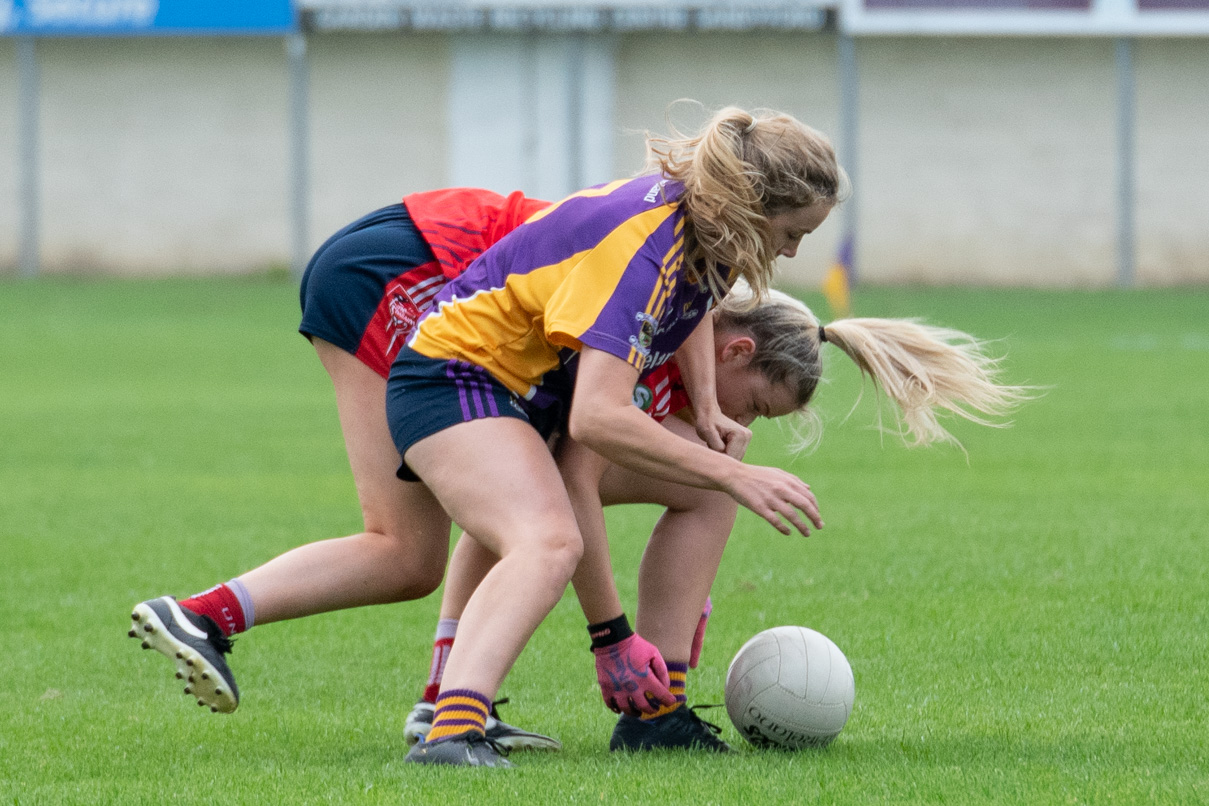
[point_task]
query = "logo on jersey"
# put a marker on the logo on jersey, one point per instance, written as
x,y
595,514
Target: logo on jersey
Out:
x,y
404,313
643,397
654,193
646,334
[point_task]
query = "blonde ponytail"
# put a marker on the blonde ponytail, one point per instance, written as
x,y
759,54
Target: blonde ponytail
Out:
x,y
924,370
740,169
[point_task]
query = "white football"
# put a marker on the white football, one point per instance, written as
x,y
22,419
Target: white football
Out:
x,y
789,687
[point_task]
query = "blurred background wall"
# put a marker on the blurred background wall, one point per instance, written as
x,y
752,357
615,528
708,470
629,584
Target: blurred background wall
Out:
x,y
980,159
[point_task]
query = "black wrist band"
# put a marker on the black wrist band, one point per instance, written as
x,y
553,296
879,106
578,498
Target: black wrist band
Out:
x,y
610,632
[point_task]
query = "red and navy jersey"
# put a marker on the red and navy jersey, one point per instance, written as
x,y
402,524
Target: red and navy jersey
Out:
x,y
404,300
457,225
460,223
660,392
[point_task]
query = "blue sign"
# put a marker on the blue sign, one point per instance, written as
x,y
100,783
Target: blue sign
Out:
x,y
136,17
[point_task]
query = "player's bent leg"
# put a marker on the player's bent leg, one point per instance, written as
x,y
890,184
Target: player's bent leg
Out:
x,y
497,479
469,563
401,554
682,557
467,567
678,568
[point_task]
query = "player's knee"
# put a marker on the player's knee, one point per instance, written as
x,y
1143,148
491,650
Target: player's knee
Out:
x,y
713,505
571,553
560,552
425,582
416,569
415,581
424,572
719,505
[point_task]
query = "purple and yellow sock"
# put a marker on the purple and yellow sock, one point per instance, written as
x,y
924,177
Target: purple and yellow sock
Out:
x,y
458,711
677,673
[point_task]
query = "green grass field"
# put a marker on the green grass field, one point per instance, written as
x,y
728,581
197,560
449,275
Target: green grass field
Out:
x,y
1028,626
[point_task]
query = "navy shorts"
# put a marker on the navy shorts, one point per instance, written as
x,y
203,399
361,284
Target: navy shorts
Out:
x,y
426,395
367,285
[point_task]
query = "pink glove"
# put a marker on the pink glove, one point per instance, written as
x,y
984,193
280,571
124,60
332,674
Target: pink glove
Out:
x,y
633,677
699,637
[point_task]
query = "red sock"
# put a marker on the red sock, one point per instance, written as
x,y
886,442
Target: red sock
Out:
x,y
221,604
440,654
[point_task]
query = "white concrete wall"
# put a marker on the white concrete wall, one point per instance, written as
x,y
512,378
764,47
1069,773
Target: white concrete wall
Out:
x,y
531,112
982,160
988,160
162,154
1173,161
378,128
791,73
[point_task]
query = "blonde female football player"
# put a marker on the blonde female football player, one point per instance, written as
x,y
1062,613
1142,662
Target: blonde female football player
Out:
x,y
576,300
769,362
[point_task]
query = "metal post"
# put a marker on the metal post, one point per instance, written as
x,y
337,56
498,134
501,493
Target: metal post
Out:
x,y
1126,271
849,99
27,137
299,153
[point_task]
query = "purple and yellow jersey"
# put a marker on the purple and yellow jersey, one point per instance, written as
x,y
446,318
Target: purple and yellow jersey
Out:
x,y
602,268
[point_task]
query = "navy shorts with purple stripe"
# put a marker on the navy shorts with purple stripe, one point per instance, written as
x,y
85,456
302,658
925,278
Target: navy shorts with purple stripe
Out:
x,y
426,395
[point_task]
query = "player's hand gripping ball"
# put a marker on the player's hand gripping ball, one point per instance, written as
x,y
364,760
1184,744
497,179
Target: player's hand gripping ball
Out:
x,y
789,687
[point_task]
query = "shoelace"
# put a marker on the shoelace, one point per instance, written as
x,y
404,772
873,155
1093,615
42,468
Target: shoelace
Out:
x,y
692,711
479,738
216,636
494,714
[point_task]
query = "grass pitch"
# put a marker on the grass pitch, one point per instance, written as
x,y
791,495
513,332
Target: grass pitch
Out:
x,y
1025,626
